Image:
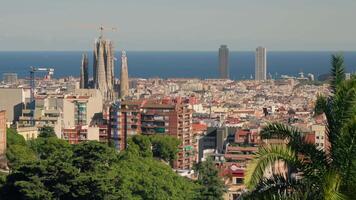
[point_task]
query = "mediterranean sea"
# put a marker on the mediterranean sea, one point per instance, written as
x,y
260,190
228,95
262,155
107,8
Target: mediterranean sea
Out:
x,y
181,64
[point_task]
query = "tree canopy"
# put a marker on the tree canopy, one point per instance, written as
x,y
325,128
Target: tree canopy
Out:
x,y
92,170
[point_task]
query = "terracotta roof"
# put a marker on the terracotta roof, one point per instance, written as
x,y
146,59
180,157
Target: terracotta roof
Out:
x,y
199,127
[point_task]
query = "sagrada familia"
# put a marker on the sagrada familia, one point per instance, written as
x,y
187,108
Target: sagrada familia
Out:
x,y
103,70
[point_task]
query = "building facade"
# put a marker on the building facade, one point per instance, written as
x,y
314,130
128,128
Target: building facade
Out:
x,y
82,116
224,62
14,102
9,78
261,64
164,117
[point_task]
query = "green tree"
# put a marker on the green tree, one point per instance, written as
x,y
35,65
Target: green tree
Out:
x,y
165,147
212,186
92,170
145,178
320,105
13,138
144,144
337,71
18,154
48,146
46,132
92,155
312,173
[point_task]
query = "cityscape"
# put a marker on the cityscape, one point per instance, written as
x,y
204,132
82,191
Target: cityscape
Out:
x,y
107,134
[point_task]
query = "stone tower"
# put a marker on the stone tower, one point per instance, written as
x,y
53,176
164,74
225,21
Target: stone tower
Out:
x,y
103,68
124,77
84,72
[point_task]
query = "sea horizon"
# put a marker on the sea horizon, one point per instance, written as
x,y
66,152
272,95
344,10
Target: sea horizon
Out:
x,y
178,64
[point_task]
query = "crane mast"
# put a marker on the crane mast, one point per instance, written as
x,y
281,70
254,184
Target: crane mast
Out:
x,y
33,70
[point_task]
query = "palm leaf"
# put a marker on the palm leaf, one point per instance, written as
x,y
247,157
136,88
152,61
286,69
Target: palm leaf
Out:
x,y
265,157
331,186
337,71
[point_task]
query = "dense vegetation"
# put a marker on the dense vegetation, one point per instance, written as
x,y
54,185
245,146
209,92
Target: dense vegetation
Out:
x,y
312,173
50,168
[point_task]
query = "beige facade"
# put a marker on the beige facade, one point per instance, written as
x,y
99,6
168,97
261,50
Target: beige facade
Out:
x,y
28,132
12,101
47,112
81,110
91,103
320,135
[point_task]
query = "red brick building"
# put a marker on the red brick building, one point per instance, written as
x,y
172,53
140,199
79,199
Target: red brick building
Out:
x,y
166,117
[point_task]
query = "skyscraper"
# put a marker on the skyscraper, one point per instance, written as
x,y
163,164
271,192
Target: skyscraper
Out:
x,y
224,62
124,77
84,72
261,64
103,68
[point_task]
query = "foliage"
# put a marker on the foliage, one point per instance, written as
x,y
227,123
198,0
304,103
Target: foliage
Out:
x,y
160,146
337,71
47,132
18,154
46,147
312,173
92,170
320,105
13,138
212,187
144,144
165,147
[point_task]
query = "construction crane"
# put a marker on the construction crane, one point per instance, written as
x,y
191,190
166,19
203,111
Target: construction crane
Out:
x,y
102,28
50,72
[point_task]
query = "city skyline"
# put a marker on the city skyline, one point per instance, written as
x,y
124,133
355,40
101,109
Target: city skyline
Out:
x,y
160,25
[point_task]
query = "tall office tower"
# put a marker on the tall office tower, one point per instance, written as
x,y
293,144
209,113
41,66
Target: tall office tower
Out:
x,y
124,77
84,72
261,64
224,62
103,73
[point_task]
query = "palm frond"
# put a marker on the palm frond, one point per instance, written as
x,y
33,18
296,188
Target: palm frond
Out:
x,y
337,71
279,187
297,142
265,157
331,185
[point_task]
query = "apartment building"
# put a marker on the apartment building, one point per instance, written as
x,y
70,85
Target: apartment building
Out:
x,y
166,117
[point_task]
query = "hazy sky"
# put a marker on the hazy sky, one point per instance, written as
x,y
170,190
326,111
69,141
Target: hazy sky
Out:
x,y
179,24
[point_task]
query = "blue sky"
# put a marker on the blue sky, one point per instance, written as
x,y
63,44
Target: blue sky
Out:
x,y
179,24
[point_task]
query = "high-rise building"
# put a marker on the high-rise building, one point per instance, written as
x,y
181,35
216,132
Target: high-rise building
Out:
x,y
124,77
224,62
84,72
261,64
171,117
103,68
10,78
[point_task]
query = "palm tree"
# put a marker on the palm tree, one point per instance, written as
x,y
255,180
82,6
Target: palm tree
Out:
x,y
311,172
